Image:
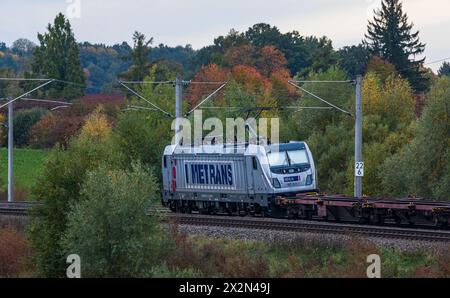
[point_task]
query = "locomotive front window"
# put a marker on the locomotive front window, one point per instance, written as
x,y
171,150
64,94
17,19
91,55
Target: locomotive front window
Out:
x,y
298,157
277,159
288,158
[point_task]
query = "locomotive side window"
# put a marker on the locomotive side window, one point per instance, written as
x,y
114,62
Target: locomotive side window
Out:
x,y
165,161
255,163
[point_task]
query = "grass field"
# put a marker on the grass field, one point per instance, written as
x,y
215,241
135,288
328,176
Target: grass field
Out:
x,y
28,165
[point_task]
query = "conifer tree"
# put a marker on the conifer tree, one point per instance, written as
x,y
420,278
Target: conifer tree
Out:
x,y
141,52
58,57
390,36
445,69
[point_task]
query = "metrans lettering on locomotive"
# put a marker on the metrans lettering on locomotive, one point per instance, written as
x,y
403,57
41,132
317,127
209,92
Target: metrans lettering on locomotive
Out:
x,y
209,174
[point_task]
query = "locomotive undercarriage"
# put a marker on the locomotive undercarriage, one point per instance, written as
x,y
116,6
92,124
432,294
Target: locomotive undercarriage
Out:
x,y
217,208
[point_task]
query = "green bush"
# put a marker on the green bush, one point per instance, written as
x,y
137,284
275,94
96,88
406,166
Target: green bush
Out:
x,y
58,188
109,228
24,120
422,167
142,136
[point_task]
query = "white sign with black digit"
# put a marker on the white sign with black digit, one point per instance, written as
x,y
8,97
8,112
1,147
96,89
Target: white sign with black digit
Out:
x,y
359,169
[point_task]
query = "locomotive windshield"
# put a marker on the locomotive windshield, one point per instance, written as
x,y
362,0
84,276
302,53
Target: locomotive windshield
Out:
x,y
288,158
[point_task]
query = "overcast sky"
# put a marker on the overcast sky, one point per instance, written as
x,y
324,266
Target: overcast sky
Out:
x,y
198,22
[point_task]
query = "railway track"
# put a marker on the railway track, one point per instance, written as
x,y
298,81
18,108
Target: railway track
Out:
x,y
314,227
23,208
17,208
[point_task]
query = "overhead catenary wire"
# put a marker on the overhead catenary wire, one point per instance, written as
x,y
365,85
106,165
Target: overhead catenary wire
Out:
x,y
27,93
423,64
270,108
437,61
146,100
47,101
321,99
206,99
206,83
86,87
141,108
327,82
58,107
24,79
148,82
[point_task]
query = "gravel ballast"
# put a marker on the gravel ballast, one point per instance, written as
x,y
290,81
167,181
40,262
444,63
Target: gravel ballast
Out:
x,y
327,239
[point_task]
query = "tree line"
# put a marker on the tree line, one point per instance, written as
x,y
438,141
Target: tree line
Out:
x,y
390,36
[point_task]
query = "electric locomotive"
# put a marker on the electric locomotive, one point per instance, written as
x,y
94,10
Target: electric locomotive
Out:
x,y
236,178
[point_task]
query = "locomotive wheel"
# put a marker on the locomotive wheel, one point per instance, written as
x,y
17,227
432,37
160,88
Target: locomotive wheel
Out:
x,y
172,207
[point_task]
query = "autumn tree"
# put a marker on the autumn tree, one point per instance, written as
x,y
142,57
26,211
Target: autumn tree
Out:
x,y
96,125
250,79
243,55
58,57
390,37
382,68
24,120
248,89
270,60
299,51
209,73
389,113
282,91
422,167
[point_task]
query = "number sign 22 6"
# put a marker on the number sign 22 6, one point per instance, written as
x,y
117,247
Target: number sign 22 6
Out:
x,y
359,169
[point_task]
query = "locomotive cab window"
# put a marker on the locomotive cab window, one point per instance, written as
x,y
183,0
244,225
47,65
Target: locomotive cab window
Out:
x,y
255,163
288,158
165,161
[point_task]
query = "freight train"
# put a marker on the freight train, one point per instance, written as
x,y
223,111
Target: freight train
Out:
x,y
278,180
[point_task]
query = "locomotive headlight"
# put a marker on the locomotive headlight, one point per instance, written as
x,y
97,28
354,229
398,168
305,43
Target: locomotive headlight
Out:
x,y
276,183
309,180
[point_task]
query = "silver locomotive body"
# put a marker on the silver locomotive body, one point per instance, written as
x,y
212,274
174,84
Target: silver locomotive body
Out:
x,y
235,177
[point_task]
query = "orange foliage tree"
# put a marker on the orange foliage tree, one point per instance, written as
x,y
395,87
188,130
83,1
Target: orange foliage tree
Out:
x,y
383,68
251,79
270,60
243,55
14,251
209,73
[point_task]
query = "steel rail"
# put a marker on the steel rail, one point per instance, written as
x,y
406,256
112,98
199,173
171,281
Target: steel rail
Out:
x,y
314,227
17,208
